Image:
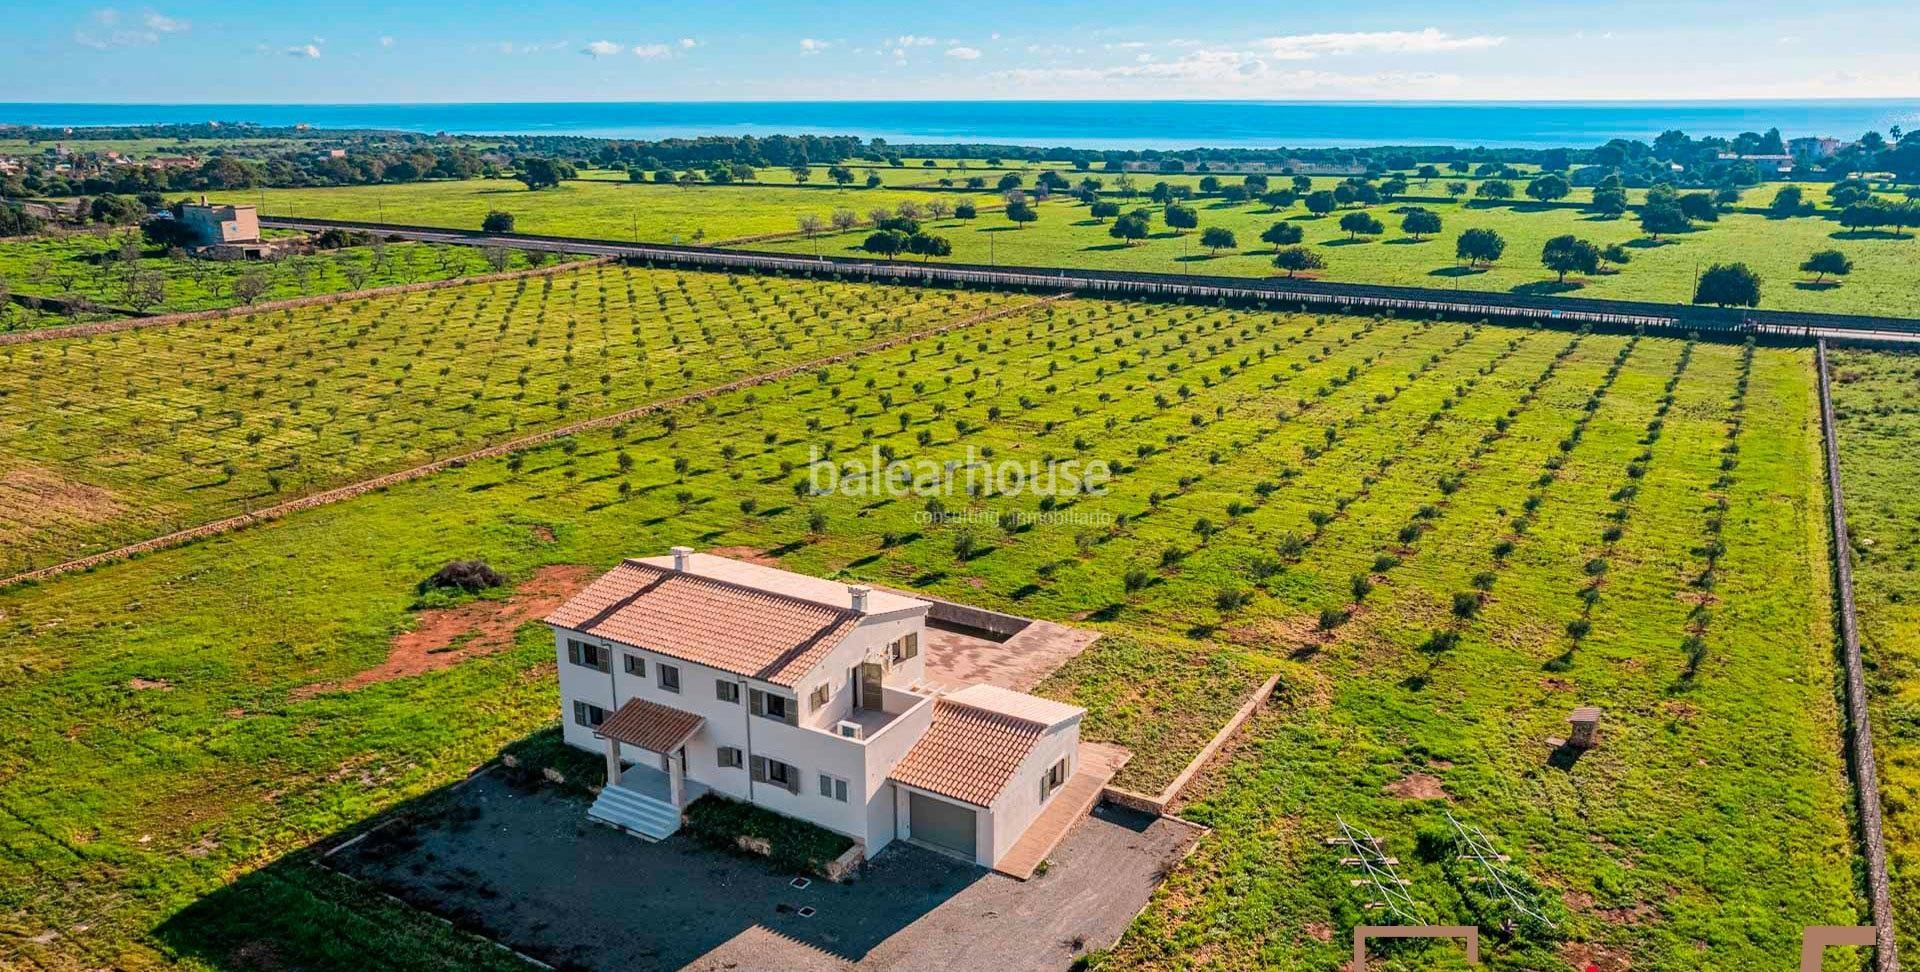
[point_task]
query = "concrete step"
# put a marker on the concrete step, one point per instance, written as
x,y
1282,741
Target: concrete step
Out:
x,y
635,813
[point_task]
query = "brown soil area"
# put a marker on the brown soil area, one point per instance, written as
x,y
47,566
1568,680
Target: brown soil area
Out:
x,y
446,636
38,498
1417,786
748,554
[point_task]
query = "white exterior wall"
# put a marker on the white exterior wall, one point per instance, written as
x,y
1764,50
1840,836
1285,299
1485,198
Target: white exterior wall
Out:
x,y
1017,805
810,746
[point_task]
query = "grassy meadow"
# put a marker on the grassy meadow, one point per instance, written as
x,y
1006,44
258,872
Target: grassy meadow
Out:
x,y
594,208
114,437
1876,398
1885,280
92,265
1541,519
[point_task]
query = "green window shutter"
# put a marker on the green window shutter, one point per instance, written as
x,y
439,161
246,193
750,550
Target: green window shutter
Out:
x,y
573,651
759,771
580,713
793,719
758,700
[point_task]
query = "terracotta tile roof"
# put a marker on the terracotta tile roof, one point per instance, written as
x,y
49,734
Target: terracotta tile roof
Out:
x,y
967,754
649,725
760,634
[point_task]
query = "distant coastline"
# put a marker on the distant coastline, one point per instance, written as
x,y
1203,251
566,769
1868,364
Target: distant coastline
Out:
x,y
1078,124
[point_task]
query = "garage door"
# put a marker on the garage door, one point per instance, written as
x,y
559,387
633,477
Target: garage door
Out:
x,y
942,824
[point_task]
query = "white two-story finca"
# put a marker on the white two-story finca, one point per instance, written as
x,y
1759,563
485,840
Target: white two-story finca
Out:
x,y
697,673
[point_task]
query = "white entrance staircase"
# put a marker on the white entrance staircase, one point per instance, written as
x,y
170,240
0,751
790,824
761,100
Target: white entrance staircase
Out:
x,y
634,812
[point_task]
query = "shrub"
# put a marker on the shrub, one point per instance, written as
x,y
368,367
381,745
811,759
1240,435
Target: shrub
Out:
x,y
795,845
1466,604
471,576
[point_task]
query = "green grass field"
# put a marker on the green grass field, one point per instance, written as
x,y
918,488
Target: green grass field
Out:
x,y
157,750
90,265
112,438
1886,278
1878,408
591,208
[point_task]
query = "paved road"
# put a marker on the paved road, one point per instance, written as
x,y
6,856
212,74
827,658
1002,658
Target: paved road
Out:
x,y
1782,326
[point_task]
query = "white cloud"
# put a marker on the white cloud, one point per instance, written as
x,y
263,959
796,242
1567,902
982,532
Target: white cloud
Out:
x,y
688,43
386,42
601,48
809,45
162,24
1301,47
308,51
1127,46
651,51
1052,50
1232,73
964,53
914,40
106,28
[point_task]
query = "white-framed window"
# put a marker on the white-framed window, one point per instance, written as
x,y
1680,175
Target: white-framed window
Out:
x,y
586,654
833,787
904,647
669,677
589,715
818,700
634,665
726,691
1053,779
730,757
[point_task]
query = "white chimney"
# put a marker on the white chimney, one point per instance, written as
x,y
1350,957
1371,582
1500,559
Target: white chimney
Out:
x,y
859,598
680,555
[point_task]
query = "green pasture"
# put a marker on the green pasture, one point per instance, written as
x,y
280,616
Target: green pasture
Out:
x,y
111,438
595,208
95,266
158,751
1885,279
1876,397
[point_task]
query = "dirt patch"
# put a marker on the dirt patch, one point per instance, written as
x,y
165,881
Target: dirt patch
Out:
x,y
1553,684
446,636
39,498
1320,931
1636,914
139,684
1577,900
748,554
1417,786
1581,955
544,534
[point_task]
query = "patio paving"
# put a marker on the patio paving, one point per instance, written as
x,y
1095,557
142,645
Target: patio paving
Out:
x,y
529,871
959,656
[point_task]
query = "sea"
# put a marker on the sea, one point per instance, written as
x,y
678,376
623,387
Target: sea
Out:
x,y
1077,124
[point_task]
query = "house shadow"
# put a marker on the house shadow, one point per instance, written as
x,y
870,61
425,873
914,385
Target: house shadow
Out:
x,y
511,858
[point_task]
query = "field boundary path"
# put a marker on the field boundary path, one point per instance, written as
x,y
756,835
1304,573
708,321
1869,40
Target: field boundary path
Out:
x,y
1865,772
1797,327
351,490
291,303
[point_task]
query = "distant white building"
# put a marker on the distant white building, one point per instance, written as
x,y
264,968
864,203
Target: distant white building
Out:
x,y
212,224
697,673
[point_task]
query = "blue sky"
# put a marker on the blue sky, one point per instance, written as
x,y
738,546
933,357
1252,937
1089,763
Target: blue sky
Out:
x,y
353,51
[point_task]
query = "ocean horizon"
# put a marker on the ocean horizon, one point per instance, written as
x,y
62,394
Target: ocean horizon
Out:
x,y
1166,125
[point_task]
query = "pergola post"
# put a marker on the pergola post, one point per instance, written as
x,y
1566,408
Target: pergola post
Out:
x,y
676,771
613,761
